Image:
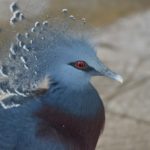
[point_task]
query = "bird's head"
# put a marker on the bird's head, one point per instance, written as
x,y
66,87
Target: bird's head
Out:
x,y
76,62
55,51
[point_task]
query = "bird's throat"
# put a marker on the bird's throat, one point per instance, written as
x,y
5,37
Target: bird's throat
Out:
x,y
77,116
81,103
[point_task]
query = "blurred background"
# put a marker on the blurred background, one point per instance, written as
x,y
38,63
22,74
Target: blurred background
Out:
x,y
121,34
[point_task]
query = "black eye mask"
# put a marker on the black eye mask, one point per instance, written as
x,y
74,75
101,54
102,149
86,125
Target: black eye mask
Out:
x,y
81,65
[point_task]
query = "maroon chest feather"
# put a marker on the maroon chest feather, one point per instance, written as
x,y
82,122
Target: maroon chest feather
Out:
x,y
79,133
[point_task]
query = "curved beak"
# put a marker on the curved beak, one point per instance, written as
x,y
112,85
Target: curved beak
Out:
x,y
102,70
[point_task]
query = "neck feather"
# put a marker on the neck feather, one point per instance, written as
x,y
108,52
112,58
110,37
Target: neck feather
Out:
x,y
79,102
76,116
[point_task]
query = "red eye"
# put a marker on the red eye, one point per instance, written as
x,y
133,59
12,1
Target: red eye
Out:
x,y
81,64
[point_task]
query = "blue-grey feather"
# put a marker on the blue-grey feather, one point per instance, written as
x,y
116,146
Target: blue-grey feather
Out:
x,y
46,50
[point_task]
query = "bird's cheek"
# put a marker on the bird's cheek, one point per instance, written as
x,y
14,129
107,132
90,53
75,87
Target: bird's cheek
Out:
x,y
65,74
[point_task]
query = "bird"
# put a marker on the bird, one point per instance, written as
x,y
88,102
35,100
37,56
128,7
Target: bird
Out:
x,y
48,100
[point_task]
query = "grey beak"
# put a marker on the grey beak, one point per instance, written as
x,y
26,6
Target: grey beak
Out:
x,y
112,75
104,71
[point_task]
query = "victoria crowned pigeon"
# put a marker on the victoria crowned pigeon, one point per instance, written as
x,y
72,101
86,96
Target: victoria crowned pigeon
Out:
x,y
47,100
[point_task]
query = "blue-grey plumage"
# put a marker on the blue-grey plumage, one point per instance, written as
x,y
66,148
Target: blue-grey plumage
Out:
x,y
50,74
